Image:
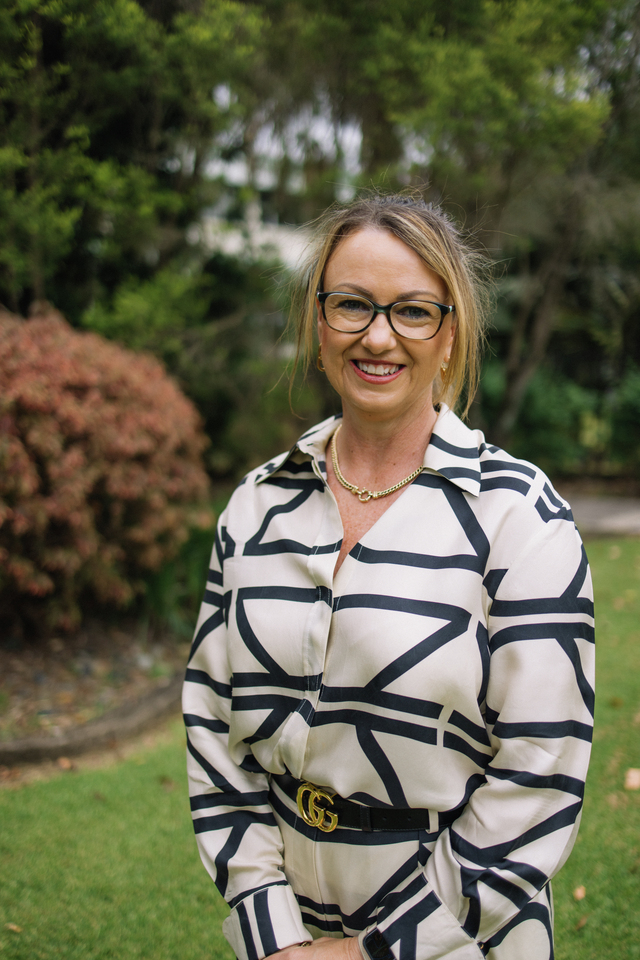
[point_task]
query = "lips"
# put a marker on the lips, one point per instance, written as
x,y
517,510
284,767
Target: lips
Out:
x,y
376,372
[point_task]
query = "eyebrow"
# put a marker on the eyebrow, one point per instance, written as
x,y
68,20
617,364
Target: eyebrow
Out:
x,y
412,295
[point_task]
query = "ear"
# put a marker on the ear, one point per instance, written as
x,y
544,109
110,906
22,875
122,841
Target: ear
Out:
x,y
319,323
451,336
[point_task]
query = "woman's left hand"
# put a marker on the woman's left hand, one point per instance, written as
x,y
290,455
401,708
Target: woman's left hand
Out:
x,y
324,948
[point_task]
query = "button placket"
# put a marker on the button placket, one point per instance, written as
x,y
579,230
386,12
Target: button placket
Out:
x,y
320,565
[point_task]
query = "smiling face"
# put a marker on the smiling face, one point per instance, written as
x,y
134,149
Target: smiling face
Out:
x,y
378,374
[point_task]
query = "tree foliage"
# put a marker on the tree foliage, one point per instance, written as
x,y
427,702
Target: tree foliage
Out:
x,y
520,116
101,476
107,120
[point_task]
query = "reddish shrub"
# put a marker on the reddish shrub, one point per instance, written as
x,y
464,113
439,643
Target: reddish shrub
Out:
x,y
100,470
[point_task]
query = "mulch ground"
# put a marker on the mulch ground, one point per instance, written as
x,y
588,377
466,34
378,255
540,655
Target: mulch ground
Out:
x,y
48,687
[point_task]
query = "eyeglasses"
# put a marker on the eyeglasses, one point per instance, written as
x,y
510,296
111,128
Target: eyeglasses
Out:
x,y
413,319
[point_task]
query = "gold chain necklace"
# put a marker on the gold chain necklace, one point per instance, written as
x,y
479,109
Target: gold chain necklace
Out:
x,y
362,493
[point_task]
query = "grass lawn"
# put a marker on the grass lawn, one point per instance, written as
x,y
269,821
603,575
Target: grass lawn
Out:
x,y
606,858
103,864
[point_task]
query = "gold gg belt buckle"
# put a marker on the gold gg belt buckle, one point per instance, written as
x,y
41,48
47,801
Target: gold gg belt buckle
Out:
x,y
312,814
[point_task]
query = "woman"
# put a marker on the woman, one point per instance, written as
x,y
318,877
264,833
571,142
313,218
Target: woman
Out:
x,y
389,698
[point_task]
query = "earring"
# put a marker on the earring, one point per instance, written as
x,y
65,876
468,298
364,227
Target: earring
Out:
x,y
319,363
443,369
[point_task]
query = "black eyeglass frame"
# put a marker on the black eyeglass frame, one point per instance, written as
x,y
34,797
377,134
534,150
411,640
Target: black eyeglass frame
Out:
x,y
445,310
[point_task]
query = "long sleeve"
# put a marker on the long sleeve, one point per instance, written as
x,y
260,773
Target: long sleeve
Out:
x,y
448,665
522,815
238,839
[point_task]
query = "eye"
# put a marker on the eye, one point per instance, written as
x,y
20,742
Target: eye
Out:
x,y
346,306
419,311
352,305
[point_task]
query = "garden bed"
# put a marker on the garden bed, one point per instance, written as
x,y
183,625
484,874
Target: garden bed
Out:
x,y
74,693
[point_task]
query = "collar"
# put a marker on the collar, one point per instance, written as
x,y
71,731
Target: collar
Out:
x,y
453,450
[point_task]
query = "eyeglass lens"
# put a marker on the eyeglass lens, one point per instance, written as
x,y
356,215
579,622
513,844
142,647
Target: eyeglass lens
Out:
x,y
415,319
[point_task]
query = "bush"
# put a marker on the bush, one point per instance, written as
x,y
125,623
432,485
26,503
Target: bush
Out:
x,y
101,477
559,427
625,416
216,327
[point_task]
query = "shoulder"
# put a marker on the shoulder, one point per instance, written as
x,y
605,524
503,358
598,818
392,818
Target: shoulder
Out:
x,y
510,505
503,481
308,448
521,483
530,522
297,469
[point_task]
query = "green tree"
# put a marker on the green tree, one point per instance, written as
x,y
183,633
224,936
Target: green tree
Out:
x,y
107,120
521,117
572,235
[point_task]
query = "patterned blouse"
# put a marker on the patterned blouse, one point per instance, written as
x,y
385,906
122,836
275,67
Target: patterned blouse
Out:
x,y
448,663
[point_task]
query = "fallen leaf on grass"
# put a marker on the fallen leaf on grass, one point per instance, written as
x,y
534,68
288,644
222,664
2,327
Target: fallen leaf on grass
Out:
x,y
617,800
582,921
13,927
167,783
9,773
65,764
632,779
99,796
579,893
614,762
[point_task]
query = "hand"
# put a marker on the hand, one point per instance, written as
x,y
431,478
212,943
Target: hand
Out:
x,y
324,948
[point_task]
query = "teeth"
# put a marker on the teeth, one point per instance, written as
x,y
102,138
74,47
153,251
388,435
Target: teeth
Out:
x,y
377,369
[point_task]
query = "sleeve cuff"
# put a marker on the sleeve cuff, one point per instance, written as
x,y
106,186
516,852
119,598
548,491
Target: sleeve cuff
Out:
x,y
265,922
418,917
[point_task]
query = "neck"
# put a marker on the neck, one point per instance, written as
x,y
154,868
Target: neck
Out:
x,y
378,451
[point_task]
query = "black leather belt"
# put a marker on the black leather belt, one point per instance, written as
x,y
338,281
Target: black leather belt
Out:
x,y
325,810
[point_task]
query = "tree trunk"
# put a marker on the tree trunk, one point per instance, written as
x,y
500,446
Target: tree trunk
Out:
x,y
526,352
381,148
35,140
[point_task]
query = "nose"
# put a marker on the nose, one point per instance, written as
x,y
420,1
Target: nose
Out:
x,y
379,336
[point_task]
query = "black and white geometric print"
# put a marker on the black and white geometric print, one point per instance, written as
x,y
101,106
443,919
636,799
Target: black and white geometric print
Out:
x,y
447,666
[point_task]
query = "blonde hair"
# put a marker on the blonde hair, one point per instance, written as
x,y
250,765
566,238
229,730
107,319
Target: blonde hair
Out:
x,y
430,233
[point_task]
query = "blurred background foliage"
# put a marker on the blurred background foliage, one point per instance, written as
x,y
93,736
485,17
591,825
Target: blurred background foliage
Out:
x,y
157,156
